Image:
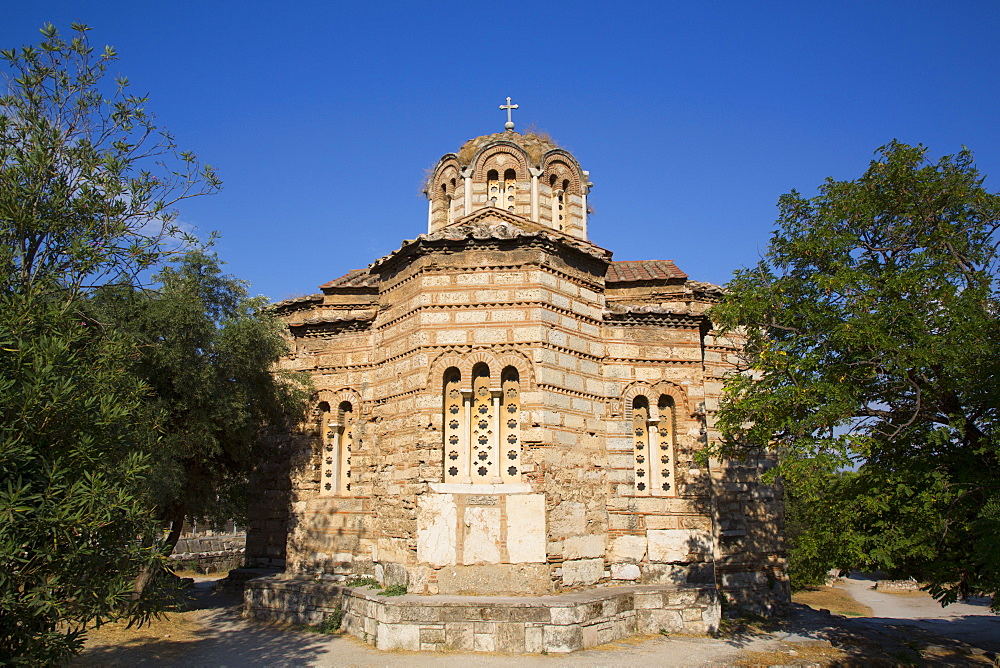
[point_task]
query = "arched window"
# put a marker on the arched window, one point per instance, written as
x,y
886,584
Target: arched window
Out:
x,y
653,438
640,444
337,439
493,194
559,195
665,464
510,426
485,463
326,448
444,204
456,434
482,432
509,189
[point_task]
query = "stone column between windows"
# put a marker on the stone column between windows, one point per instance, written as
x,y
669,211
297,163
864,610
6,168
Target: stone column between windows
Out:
x,y
331,458
345,438
467,176
495,438
652,453
465,438
535,213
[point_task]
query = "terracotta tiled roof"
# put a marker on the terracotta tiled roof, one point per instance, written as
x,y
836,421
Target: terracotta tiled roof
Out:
x,y
643,270
353,316
356,278
302,299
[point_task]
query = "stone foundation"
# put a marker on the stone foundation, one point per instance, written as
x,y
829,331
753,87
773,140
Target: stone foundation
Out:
x,y
210,554
897,585
524,624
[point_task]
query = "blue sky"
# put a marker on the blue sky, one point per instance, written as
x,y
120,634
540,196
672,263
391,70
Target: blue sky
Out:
x,y
692,118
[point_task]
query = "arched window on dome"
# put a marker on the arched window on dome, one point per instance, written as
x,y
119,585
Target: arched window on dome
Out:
x,y
559,202
509,192
452,186
444,204
493,187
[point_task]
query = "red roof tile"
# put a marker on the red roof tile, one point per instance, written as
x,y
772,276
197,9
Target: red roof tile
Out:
x,y
356,278
643,270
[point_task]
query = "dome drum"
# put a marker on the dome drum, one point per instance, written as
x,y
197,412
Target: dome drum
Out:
x,y
525,175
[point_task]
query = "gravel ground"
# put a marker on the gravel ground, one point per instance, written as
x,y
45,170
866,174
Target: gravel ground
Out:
x,y
213,634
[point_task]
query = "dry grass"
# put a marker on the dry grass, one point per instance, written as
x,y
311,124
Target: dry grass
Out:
x,y
837,601
797,654
164,639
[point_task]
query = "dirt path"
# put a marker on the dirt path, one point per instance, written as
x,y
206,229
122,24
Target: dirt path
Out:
x,y
212,633
970,622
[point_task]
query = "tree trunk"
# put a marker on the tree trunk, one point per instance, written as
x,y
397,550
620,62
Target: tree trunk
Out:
x,y
146,575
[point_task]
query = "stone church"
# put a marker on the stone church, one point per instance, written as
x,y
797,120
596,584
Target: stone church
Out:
x,y
503,409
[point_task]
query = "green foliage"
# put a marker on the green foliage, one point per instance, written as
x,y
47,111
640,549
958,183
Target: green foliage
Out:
x,y
86,177
818,523
86,188
331,621
361,582
74,438
207,352
873,342
394,590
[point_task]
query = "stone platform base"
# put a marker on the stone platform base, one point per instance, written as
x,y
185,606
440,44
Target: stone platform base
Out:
x,y
559,623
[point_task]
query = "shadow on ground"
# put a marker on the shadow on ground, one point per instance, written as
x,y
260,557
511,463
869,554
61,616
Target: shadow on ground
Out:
x,y
216,635
213,634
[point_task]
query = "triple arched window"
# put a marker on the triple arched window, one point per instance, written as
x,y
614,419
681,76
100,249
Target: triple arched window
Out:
x,y
502,193
337,433
654,445
482,432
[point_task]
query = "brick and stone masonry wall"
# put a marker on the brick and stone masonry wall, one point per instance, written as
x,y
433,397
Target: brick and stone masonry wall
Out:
x,y
267,511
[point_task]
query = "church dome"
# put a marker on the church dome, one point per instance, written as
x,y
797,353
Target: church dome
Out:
x,y
527,175
535,144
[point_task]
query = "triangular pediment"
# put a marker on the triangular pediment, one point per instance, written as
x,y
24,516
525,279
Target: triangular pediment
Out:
x,y
490,216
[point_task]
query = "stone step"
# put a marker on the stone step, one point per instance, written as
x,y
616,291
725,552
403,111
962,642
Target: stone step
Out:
x,y
554,623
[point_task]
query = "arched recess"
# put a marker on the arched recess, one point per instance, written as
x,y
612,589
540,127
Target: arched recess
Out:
x,y
488,359
445,194
678,394
563,193
445,189
436,369
525,370
486,158
464,364
631,392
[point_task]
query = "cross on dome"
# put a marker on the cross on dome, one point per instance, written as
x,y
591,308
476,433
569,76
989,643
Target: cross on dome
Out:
x,y
509,125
